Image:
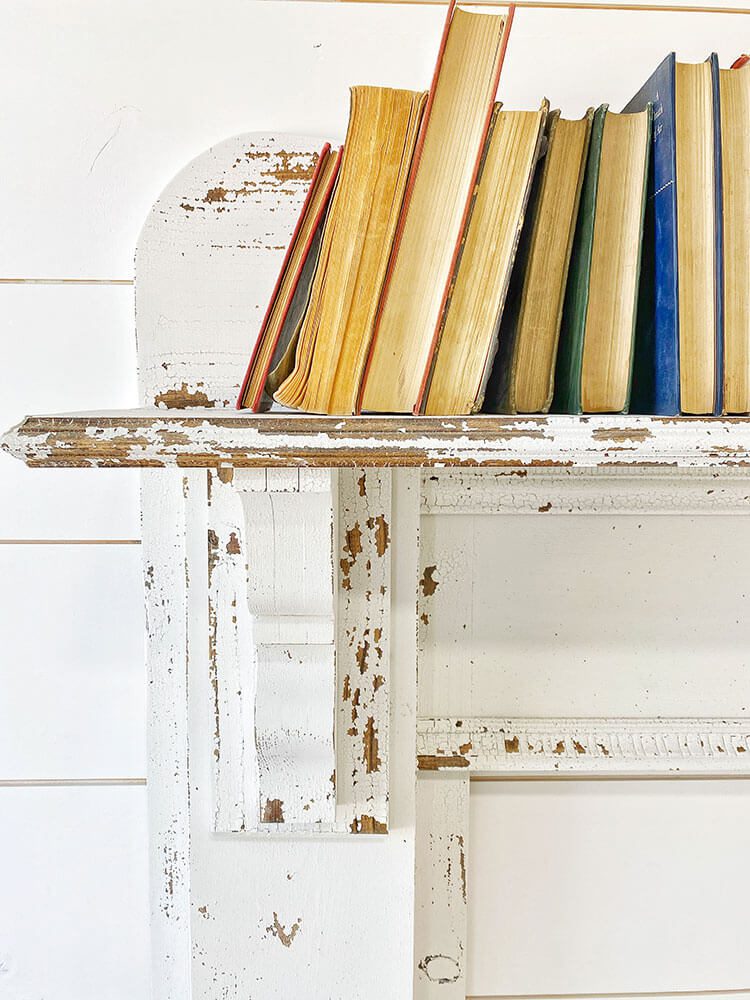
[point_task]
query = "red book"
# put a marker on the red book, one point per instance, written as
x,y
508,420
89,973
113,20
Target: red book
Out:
x,y
406,334
277,327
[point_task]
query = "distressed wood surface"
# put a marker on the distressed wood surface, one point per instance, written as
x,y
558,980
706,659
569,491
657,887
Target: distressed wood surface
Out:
x,y
271,652
209,254
581,747
440,920
363,649
150,438
166,580
585,491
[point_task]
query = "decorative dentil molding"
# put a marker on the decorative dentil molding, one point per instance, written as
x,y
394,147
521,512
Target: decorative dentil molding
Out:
x,y
606,747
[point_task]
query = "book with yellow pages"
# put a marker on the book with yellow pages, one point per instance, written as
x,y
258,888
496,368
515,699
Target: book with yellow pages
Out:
x,y
290,294
595,359
468,336
734,85
523,376
336,332
435,210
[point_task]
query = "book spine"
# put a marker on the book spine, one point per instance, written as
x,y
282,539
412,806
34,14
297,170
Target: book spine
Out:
x,y
467,209
416,157
718,240
492,347
658,346
320,163
462,244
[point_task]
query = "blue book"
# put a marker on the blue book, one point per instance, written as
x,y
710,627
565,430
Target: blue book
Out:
x,y
656,379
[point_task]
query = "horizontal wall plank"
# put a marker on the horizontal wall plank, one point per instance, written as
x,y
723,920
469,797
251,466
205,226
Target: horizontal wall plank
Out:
x,y
72,671
74,914
66,347
601,888
141,88
119,135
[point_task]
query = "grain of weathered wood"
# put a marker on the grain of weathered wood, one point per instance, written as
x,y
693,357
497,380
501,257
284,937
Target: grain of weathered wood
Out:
x,y
190,438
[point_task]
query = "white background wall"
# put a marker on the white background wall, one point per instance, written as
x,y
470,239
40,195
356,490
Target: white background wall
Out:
x,y
103,101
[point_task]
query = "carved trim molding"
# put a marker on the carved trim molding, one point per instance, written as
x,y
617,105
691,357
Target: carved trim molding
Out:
x,y
212,439
585,746
585,491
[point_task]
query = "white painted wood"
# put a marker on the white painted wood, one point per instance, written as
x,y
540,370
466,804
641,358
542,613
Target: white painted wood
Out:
x,y
198,437
579,888
273,685
584,491
64,347
208,258
269,915
585,747
363,563
173,511
139,89
71,671
441,888
584,616
74,913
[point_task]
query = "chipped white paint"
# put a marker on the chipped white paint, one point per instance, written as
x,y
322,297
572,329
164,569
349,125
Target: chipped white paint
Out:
x,y
198,438
264,605
585,491
584,747
166,576
208,257
440,927
363,648
273,615
271,651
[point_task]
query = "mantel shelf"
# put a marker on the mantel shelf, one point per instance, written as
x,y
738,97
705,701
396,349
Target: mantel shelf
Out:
x,y
202,438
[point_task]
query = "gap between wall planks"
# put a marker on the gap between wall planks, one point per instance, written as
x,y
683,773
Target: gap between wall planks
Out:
x,y
70,541
69,782
67,281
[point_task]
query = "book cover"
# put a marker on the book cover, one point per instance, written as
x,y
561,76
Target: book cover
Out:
x,y
299,289
545,220
376,391
656,382
567,396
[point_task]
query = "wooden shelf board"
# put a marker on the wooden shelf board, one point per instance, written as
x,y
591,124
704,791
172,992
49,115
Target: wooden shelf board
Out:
x,y
205,438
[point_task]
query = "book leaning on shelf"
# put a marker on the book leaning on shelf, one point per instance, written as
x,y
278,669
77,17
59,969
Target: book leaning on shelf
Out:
x,y
457,256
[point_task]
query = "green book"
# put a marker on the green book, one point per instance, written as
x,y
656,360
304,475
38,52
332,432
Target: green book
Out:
x,y
523,375
595,357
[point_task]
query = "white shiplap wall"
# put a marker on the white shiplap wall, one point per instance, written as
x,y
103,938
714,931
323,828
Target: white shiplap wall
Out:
x,y
103,101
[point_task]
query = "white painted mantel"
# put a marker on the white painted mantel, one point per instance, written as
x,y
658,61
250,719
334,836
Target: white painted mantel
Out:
x,y
300,579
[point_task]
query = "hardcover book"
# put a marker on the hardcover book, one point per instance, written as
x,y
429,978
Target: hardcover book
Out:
x,y
678,364
436,208
523,375
735,157
595,359
280,323
469,333
336,332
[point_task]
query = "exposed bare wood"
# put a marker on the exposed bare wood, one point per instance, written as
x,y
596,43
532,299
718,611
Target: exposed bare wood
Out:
x,y
633,747
190,439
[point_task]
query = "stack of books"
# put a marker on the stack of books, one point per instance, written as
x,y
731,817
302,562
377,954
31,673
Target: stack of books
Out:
x,y
453,257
